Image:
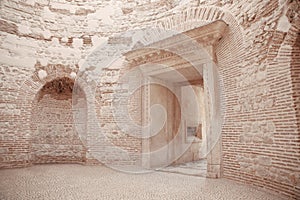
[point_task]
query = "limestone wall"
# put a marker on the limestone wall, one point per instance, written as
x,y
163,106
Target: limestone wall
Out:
x,y
258,60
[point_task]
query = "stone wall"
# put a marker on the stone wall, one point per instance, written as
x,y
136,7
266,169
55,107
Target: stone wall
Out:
x,y
54,137
258,60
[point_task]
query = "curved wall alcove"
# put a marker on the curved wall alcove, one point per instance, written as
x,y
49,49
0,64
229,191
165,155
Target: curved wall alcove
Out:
x,y
54,135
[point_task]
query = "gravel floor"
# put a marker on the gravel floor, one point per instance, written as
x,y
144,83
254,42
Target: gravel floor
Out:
x,y
98,182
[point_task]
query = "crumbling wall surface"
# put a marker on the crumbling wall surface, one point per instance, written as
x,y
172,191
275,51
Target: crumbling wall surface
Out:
x,y
258,61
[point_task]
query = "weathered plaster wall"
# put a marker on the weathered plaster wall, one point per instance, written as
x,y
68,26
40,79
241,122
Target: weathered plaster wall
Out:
x,y
258,61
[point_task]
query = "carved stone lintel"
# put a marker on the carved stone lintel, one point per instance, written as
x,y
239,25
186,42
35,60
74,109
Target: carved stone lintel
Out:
x,y
206,36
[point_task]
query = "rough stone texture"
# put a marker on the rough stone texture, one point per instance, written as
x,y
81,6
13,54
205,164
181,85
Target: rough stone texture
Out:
x,y
258,60
54,137
96,182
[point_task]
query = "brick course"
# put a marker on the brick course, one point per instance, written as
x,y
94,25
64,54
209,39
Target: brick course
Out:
x,y
258,60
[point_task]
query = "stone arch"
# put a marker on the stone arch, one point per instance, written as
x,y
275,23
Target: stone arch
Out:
x,y
30,95
54,135
192,17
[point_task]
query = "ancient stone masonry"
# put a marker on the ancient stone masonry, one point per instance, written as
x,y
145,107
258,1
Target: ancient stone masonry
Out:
x,y
258,132
46,46
256,98
54,137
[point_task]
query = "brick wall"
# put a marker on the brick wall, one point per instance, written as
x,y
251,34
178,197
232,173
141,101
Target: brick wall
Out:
x,y
260,134
258,60
54,138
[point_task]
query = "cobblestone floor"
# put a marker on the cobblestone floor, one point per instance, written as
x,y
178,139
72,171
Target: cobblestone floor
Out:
x,y
98,182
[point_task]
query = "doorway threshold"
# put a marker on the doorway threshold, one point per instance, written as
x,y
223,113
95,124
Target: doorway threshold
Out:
x,y
196,168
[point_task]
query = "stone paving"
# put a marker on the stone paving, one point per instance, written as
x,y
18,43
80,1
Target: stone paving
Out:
x,y
98,182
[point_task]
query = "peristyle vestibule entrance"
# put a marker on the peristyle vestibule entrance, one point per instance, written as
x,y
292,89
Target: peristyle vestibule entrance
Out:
x,y
184,81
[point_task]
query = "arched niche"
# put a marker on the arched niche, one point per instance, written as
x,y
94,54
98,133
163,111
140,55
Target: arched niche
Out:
x,y
55,137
